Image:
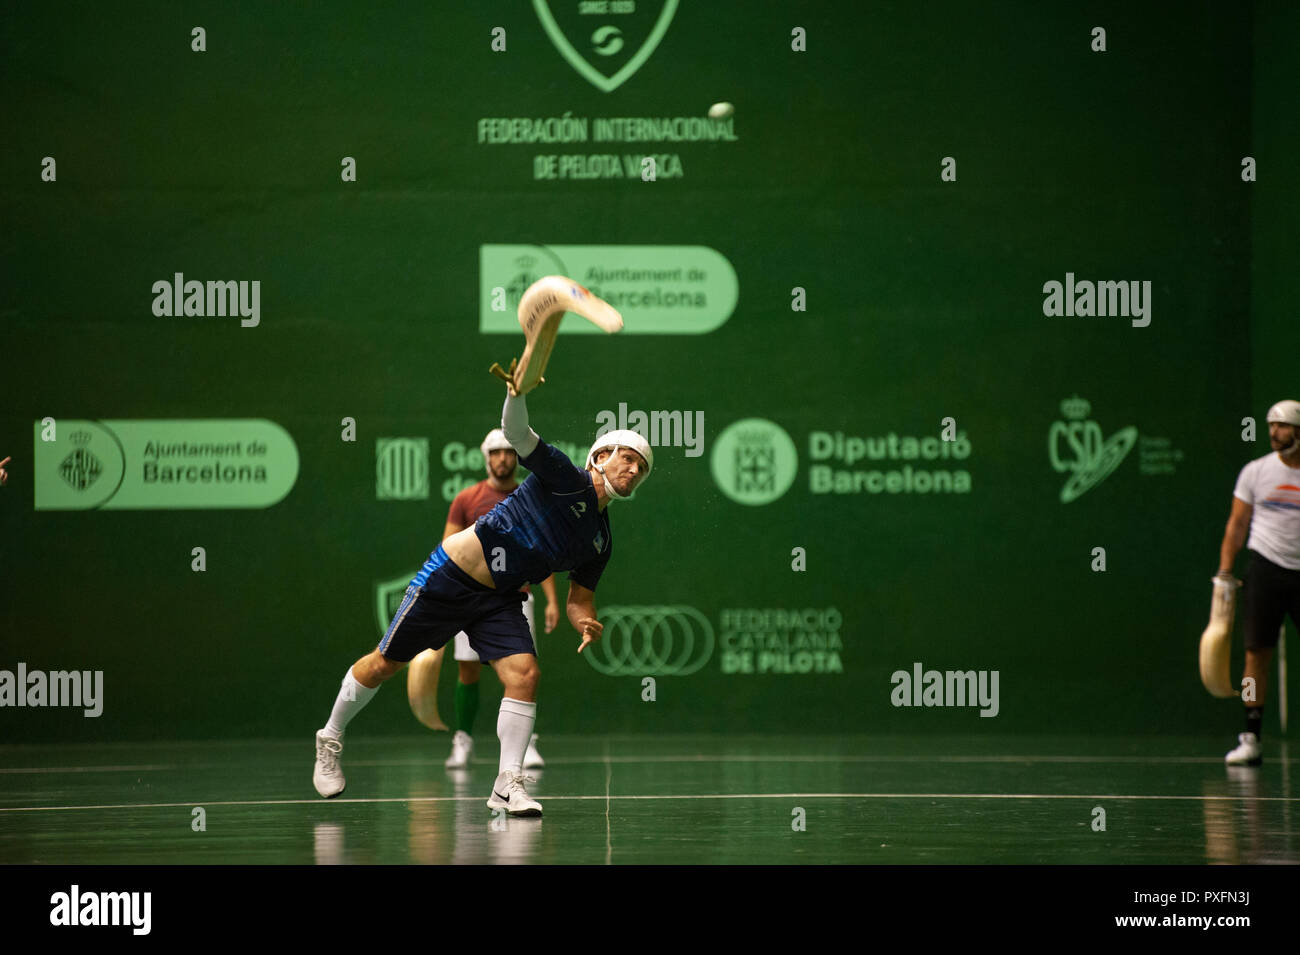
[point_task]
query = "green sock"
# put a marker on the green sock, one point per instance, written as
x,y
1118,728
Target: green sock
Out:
x,y
466,706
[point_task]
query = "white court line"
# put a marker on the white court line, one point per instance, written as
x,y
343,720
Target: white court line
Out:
x,y
88,769
607,797
579,760
609,774
698,758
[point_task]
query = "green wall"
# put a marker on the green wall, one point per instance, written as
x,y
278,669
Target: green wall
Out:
x,y
924,301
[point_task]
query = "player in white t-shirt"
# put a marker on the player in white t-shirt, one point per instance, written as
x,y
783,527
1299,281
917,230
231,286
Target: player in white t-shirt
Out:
x,y
1267,504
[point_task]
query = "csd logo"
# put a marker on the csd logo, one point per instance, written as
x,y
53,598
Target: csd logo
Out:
x,y
1076,445
652,641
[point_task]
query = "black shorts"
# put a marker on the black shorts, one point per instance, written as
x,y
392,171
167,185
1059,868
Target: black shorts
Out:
x,y
1271,592
451,601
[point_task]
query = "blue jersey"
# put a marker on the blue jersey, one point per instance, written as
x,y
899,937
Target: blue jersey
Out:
x,y
551,522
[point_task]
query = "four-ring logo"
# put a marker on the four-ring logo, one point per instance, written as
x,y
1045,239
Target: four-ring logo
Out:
x,y
651,641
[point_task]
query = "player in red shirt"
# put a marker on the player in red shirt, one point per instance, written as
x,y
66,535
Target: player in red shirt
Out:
x,y
466,508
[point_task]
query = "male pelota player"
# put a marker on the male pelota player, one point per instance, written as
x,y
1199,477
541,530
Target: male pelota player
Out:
x,y
475,501
1266,503
554,521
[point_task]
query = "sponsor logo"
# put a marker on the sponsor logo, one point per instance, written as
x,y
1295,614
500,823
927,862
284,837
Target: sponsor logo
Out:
x,y
606,41
840,449
658,289
651,641
80,468
542,307
1076,445
388,597
402,469
165,464
777,640
1283,497
754,461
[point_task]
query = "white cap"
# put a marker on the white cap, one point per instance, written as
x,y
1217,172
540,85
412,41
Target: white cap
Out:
x,y
1286,412
614,440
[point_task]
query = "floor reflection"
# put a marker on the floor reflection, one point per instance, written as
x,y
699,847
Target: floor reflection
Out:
x,y
462,830
1243,822
327,841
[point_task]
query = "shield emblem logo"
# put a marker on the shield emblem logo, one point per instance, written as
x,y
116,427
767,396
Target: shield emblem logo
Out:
x,y
388,597
607,48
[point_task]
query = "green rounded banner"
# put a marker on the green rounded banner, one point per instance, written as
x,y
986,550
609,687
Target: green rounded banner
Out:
x,y
162,465
658,289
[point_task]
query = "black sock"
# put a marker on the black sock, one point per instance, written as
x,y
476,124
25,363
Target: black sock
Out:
x,y
1255,720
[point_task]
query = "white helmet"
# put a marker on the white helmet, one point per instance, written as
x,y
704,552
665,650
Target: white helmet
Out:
x,y
495,441
613,441
1285,412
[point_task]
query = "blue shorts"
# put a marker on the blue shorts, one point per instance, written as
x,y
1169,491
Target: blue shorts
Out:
x,y
449,601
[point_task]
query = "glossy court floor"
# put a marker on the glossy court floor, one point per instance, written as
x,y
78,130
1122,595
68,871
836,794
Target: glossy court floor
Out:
x,y
678,799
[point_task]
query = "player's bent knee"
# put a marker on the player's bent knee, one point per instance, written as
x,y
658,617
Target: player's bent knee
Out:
x,y
529,679
381,668
520,680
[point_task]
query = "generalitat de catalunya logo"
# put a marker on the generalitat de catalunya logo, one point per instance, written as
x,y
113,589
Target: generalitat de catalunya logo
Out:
x,y
607,42
1076,445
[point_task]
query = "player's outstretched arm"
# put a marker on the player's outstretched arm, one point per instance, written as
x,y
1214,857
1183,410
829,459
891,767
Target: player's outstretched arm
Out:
x,y
514,424
581,608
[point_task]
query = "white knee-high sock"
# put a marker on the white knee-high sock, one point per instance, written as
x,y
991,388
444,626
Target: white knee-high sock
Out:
x,y
514,729
352,697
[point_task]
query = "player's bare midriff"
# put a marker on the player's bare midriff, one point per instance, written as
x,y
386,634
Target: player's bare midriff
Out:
x,y
466,552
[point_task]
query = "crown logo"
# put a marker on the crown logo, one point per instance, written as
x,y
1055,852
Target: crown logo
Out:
x,y
1075,408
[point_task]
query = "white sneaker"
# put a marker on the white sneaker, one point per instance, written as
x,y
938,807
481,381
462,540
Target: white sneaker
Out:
x,y
329,775
532,758
1247,753
462,750
508,793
